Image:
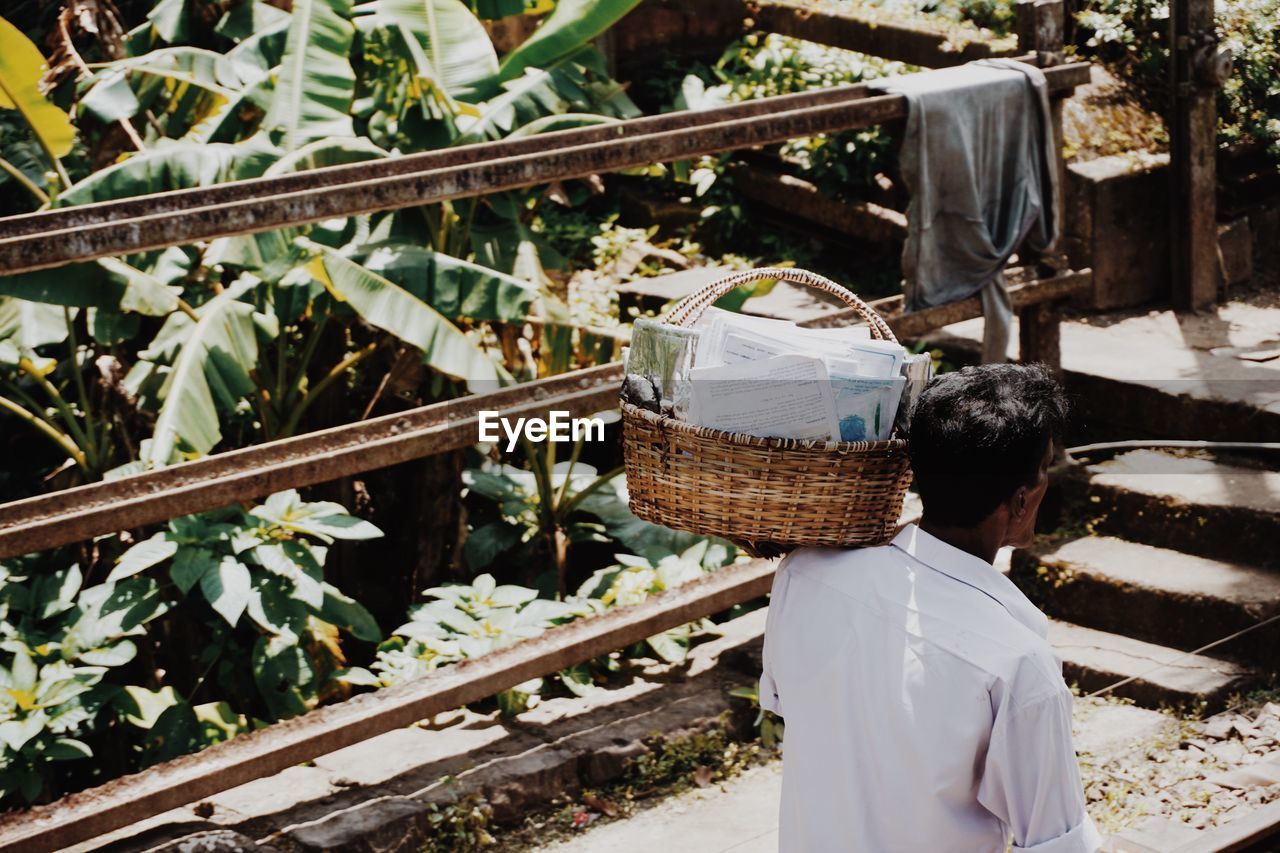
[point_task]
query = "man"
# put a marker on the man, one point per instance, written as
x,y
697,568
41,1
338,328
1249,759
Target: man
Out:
x,y
925,710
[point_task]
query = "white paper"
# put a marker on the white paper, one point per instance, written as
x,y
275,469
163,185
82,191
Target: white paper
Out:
x,y
784,397
865,407
717,325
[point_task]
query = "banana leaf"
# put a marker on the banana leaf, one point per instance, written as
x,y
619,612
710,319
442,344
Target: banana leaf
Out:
x,y
21,67
386,305
210,369
315,83
453,286
571,25
454,47
173,165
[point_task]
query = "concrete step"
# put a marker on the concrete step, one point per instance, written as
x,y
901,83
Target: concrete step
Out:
x,y
1094,659
1153,594
1185,503
1146,374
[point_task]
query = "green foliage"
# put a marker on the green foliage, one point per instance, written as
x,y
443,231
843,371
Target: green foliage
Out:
x,y
1132,35
263,569
58,640
634,579
464,621
771,727
266,93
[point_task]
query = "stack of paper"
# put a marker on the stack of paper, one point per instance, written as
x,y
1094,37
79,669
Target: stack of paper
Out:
x,y
774,379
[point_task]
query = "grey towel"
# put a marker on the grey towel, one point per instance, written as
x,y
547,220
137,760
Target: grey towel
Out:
x,y
977,157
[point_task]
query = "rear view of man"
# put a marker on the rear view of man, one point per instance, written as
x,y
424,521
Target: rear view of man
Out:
x,y
925,710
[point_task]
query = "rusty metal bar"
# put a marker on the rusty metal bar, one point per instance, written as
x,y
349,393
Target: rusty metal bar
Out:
x,y
880,34
915,324
105,234
73,515
175,201
132,798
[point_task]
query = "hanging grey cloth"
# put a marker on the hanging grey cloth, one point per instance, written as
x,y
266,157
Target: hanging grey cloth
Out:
x,y
978,159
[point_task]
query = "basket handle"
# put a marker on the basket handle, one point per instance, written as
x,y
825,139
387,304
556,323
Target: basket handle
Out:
x,y
691,307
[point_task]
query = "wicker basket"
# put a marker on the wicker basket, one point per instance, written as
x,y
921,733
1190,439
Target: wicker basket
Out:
x,y
767,494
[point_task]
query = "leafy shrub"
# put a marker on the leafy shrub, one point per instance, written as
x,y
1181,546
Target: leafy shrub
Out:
x,y
263,568
246,613
1133,35
759,66
468,620
59,640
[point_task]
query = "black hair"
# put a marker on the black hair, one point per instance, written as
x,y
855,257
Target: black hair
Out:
x,y
978,434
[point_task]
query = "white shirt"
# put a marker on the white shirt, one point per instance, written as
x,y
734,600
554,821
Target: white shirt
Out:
x,y
925,710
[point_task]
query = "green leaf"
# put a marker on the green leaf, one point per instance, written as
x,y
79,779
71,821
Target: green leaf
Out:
x,y
142,707
68,749
227,588
111,98
29,324
349,614
313,93
672,646
454,47
175,732
219,722
210,372
452,286
248,17
105,283
572,24
190,566
23,671
284,675
566,121
21,67
110,327
284,561
16,733
577,680
143,293
143,556
109,611
116,655
172,165
326,152
485,544
357,676
574,84
387,306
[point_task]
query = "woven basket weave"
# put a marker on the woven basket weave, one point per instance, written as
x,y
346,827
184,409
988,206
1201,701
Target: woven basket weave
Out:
x,y
768,494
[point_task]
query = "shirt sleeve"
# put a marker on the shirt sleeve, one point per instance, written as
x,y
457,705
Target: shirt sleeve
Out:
x,y
770,698
1031,778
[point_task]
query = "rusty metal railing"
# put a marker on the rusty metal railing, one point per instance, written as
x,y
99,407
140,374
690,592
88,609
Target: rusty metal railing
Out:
x,y
52,238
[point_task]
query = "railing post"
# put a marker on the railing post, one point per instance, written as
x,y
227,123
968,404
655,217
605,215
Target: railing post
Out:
x,y
1196,69
1039,26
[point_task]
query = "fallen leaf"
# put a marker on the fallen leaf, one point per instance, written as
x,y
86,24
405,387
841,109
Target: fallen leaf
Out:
x,y
702,776
600,804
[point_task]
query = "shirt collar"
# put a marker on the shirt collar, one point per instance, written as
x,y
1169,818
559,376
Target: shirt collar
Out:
x,y
971,571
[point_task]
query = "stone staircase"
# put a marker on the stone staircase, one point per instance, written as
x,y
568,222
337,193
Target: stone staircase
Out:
x,y
1156,554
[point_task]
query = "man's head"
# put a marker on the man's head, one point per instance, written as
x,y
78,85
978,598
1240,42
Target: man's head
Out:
x,y
981,440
